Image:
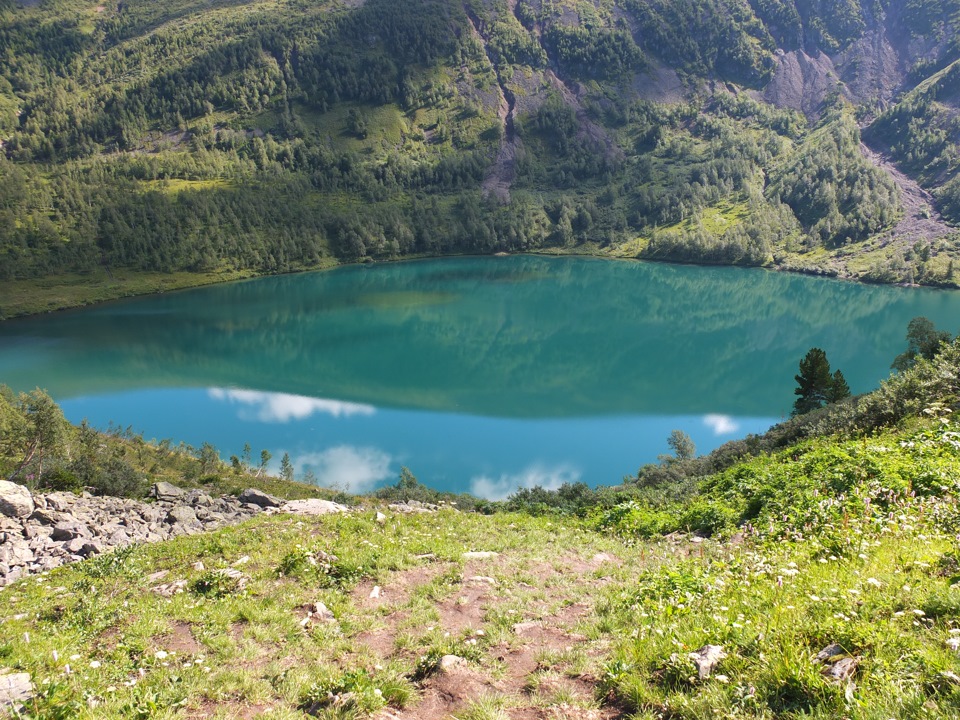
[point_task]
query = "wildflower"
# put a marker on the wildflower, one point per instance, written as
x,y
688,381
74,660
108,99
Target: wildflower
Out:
x,y
74,657
160,654
954,644
874,582
918,612
95,664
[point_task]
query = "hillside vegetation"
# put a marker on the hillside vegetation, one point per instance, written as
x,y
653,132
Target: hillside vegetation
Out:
x,y
809,572
203,141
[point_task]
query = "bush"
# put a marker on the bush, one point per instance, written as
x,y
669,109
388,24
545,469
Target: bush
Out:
x,y
708,517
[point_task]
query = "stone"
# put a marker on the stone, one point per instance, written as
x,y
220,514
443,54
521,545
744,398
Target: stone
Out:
x,y
252,496
381,518
166,491
842,670
449,663
375,593
706,659
833,650
61,501
68,530
170,589
318,613
481,579
15,500
15,689
312,506
181,514
480,555
46,516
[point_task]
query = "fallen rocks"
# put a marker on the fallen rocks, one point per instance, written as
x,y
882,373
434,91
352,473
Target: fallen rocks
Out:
x,y
15,500
43,531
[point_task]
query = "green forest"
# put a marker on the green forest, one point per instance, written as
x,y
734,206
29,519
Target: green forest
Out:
x,y
263,137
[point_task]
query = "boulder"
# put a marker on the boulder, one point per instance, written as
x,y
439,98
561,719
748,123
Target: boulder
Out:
x,y
252,496
15,500
166,491
68,530
181,514
312,506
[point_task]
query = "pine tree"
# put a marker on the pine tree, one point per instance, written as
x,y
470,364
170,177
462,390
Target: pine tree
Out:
x,y
816,386
813,382
838,389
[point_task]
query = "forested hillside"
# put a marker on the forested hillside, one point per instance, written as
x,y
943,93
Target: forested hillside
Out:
x,y
206,139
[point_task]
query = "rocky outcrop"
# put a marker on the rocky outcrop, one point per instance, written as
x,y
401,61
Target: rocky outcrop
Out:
x,y
40,532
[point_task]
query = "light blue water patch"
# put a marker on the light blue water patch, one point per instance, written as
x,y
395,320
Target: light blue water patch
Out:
x,y
358,447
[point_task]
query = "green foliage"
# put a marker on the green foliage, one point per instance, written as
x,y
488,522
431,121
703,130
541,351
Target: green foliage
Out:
x,y
838,197
923,341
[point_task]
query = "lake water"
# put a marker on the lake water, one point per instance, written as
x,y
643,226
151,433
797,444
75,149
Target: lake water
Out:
x,y
479,374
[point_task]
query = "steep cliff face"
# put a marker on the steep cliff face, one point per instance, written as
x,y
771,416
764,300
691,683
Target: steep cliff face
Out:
x,y
893,46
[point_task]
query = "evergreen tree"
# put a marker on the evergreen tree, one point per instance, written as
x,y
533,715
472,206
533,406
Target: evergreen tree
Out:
x,y
286,467
838,389
816,386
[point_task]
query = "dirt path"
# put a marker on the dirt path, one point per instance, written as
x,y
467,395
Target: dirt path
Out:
x,y
533,661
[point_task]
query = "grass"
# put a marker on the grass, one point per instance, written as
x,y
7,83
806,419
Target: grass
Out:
x,y
60,292
846,542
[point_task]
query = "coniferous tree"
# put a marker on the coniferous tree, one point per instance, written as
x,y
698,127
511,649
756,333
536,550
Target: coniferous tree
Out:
x,y
816,385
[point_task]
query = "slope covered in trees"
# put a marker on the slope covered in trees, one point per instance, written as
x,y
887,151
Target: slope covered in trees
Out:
x,y
268,137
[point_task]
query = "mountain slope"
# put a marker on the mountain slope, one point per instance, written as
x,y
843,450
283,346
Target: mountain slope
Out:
x,y
239,137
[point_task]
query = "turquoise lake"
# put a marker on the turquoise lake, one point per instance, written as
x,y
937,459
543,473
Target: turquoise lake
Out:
x,y
479,374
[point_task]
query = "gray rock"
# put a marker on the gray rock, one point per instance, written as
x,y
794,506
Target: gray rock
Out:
x,y
82,547
61,501
448,663
32,530
706,659
15,500
181,514
829,653
15,554
46,516
252,496
67,530
166,491
312,506
15,689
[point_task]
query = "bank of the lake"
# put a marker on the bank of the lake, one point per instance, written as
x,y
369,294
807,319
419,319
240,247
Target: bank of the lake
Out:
x,y
33,296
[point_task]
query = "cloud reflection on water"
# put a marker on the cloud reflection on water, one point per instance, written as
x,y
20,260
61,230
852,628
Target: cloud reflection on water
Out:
x,y
282,408
346,467
536,475
721,424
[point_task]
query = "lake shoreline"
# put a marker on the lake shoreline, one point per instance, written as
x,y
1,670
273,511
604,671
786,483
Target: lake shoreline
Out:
x,y
39,296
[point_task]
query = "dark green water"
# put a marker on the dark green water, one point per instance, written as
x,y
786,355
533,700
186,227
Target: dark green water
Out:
x,y
470,371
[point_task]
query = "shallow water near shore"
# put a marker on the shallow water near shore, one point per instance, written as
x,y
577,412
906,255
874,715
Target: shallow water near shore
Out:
x,y
480,374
